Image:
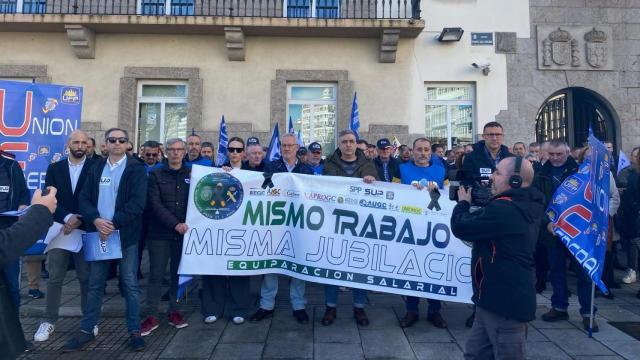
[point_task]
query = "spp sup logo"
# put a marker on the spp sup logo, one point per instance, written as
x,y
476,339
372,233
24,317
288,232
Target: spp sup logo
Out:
x,y
218,195
70,95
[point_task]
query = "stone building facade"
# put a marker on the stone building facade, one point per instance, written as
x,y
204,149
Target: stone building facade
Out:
x,y
585,46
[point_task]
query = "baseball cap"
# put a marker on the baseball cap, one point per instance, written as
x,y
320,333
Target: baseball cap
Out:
x,y
253,141
383,143
314,146
302,151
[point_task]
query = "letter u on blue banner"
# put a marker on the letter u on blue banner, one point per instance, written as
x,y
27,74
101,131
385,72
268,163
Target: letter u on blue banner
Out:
x,y
580,211
34,124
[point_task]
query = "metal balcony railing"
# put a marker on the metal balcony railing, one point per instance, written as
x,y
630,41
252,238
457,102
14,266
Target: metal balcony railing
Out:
x,y
323,9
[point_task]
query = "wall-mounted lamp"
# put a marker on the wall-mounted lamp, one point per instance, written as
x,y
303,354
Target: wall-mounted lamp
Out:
x,y
450,34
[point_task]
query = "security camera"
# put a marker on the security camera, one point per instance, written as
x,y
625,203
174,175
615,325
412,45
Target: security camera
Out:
x,y
484,66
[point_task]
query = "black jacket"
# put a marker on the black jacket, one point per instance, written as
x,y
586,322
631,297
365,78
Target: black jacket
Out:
x,y
544,183
393,168
278,166
364,166
168,197
478,167
260,167
19,193
59,177
130,200
504,235
630,206
14,240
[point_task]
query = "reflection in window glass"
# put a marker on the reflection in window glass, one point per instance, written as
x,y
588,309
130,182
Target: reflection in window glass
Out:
x,y
164,90
162,112
314,113
449,114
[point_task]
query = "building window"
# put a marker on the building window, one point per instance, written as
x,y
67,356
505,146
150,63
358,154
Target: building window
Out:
x,y
162,111
312,107
166,7
8,6
324,9
449,114
34,6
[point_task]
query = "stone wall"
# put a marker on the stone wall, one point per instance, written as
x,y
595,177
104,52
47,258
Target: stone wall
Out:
x,y
528,87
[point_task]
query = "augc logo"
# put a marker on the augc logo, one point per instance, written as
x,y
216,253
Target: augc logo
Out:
x,y
218,195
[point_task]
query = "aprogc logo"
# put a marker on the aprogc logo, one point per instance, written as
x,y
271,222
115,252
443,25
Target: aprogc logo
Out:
x,y
321,197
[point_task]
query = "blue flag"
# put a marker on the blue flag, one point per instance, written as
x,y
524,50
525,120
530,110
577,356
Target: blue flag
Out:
x,y
290,128
354,123
580,211
223,141
300,141
274,145
183,284
623,162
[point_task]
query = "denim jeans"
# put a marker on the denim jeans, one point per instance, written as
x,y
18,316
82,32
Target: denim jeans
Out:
x,y
412,305
331,296
98,271
12,273
269,289
558,277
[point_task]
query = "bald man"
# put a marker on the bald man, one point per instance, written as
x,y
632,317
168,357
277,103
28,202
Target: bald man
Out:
x,y
66,175
504,235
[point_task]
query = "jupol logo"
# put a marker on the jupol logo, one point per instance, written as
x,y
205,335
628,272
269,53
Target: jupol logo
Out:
x,y
71,95
218,195
373,204
572,185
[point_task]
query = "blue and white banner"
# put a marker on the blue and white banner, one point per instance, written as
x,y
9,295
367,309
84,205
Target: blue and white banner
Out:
x,y
35,120
326,229
580,211
354,122
223,141
274,145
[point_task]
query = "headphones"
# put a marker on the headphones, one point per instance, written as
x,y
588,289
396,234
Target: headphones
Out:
x,y
515,181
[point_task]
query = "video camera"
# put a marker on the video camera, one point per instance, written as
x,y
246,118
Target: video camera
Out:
x,y
480,187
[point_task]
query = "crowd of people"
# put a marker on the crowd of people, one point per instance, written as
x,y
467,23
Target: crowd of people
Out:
x,y
502,193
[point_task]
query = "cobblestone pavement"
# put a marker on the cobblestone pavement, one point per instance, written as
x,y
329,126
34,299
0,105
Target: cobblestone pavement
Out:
x,y
282,338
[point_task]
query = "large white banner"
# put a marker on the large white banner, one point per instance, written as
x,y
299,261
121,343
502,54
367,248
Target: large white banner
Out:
x,y
334,230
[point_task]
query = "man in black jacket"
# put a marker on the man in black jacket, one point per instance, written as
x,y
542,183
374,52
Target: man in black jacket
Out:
x,y
167,198
555,170
255,158
14,241
482,161
113,198
504,235
14,195
68,176
388,167
287,163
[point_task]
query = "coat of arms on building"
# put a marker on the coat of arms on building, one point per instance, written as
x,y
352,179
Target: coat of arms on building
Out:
x,y
596,43
561,48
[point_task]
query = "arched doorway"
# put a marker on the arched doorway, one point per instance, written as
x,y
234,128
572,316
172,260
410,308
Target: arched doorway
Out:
x,y
568,113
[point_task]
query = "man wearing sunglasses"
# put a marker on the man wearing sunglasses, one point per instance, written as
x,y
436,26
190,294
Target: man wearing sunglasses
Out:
x,y
151,155
113,198
287,163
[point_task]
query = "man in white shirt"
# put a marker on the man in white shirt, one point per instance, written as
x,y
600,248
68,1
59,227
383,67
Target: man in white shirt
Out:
x,y
68,177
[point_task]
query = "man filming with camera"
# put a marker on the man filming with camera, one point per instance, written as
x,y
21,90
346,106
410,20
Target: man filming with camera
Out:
x,y
503,235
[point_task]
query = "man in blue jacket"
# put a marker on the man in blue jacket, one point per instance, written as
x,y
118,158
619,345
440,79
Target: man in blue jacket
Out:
x,y
113,198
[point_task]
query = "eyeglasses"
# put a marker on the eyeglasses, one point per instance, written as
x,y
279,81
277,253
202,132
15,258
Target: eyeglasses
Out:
x,y
174,149
235,150
150,155
288,145
121,140
497,135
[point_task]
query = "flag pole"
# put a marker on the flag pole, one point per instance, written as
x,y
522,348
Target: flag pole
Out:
x,y
593,305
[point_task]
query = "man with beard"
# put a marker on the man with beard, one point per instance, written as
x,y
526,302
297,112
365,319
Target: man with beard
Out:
x,y
207,150
193,152
68,177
